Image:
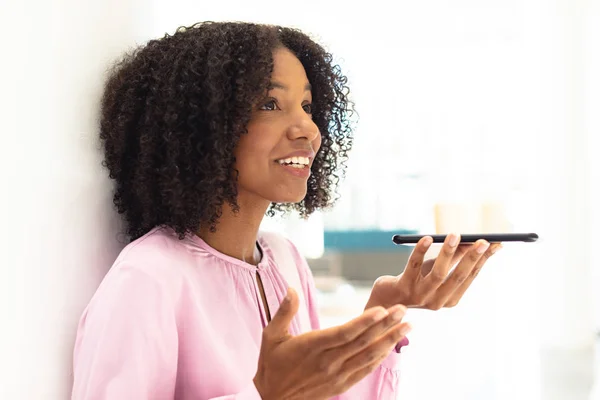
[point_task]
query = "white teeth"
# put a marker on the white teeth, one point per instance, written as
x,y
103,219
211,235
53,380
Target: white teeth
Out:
x,y
295,161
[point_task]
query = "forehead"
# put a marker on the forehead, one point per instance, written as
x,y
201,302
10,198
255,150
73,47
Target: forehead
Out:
x,y
287,68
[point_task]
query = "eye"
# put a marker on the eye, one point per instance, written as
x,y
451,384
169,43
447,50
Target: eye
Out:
x,y
270,105
308,108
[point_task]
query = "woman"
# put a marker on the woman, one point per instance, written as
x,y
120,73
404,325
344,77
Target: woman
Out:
x,y
205,132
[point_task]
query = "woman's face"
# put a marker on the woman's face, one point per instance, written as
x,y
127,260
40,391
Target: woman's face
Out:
x,y
274,158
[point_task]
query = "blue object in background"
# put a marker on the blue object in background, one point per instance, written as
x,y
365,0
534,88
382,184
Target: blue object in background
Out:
x,y
365,241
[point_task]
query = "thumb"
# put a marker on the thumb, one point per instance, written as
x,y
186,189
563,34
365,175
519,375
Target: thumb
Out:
x,y
278,327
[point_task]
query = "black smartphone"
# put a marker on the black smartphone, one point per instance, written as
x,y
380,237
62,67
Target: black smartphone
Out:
x,y
470,238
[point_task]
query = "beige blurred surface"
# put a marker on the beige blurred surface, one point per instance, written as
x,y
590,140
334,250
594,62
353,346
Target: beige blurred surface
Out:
x,y
473,217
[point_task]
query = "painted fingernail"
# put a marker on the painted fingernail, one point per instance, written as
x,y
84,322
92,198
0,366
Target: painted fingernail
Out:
x,y
482,247
453,239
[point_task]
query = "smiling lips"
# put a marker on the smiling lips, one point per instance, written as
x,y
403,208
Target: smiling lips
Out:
x,y
298,165
296,162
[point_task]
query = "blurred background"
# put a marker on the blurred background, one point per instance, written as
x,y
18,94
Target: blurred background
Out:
x,y
475,116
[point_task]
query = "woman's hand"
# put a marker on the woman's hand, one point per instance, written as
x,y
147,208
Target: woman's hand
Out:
x,y
322,364
430,284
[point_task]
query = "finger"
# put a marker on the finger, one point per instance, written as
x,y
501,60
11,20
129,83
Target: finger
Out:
x,y
343,334
427,267
356,376
377,351
371,335
278,327
415,261
460,291
459,276
460,252
443,262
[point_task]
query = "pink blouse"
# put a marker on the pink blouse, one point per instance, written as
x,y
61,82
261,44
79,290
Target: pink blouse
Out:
x,y
176,319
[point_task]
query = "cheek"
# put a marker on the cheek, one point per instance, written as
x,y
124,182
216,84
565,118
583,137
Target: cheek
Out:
x,y
243,159
262,139
246,161
252,153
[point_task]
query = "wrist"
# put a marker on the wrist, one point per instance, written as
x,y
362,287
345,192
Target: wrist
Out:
x,y
375,301
387,292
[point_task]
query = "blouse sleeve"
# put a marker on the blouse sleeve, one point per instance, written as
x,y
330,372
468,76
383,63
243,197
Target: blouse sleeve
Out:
x,y
127,343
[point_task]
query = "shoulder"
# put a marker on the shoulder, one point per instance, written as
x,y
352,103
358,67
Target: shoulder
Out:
x,y
278,244
156,267
158,260
157,252
284,252
274,239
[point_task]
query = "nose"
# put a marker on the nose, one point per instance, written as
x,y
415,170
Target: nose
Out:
x,y
303,127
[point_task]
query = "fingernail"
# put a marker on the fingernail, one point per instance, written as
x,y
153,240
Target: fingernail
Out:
x,y
405,330
453,239
427,242
482,247
496,248
379,315
398,314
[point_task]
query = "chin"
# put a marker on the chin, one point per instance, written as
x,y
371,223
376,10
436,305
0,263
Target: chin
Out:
x,y
289,197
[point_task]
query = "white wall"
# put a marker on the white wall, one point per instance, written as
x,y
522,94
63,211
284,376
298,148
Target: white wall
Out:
x,y
58,235
58,230
591,34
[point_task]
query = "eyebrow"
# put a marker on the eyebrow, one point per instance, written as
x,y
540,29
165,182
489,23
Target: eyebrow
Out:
x,y
277,85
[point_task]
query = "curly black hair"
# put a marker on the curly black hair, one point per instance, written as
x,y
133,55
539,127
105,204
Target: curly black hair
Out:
x,y
173,111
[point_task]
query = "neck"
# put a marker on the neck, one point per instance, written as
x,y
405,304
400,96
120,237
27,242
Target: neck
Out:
x,y
237,233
